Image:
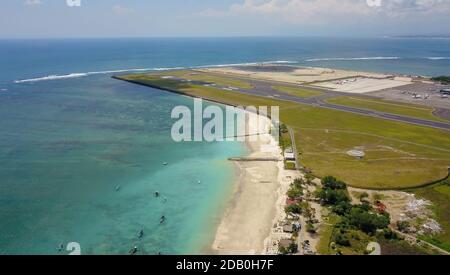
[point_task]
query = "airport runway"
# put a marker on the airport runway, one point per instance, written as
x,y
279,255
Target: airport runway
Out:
x,y
264,88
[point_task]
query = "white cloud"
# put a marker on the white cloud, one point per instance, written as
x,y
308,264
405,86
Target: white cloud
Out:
x,y
415,5
316,11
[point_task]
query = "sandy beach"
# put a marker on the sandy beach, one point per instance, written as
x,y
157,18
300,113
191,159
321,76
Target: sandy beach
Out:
x,y
251,211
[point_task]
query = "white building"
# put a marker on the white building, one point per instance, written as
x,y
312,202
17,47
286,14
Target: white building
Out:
x,y
289,154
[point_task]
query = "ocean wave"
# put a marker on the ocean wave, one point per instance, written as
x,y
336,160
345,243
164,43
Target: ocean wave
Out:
x,y
438,58
79,75
353,58
247,64
51,77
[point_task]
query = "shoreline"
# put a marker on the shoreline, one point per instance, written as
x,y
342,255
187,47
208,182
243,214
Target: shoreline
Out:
x,y
233,228
249,212
249,223
256,203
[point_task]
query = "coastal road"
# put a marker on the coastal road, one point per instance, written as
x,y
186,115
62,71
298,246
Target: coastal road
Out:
x,y
294,147
264,89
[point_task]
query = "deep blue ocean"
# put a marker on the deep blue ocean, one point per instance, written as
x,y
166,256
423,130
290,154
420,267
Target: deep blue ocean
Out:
x,y
71,136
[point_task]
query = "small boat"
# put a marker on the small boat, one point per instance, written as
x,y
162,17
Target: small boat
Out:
x,y
61,247
134,250
141,234
199,182
162,220
157,194
165,163
118,188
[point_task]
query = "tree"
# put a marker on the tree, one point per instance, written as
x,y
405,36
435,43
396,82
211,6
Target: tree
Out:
x,y
342,208
367,221
296,190
309,178
365,206
293,209
342,239
298,183
333,197
383,220
388,234
291,249
307,210
330,182
294,193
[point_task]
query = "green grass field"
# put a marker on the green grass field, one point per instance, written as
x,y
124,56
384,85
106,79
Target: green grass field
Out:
x,y
299,92
201,76
326,234
440,196
399,155
443,79
411,110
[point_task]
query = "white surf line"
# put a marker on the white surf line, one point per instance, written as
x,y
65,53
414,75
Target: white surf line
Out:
x,y
353,58
375,58
79,75
438,58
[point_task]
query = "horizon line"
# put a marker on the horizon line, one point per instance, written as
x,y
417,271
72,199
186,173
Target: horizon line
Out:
x,y
229,36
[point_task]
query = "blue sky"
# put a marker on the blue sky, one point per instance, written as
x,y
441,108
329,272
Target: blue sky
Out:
x,y
147,18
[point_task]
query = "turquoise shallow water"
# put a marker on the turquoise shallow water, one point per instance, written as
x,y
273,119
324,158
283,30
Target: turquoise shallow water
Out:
x,y
66,143
65,148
